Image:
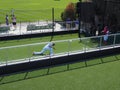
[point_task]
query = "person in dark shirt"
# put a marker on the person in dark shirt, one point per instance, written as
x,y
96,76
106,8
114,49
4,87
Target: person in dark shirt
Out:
x,y
7,20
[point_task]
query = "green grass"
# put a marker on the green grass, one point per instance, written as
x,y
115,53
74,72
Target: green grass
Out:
x,y
33,10
95,76
33,4
37,40
26,52
98,77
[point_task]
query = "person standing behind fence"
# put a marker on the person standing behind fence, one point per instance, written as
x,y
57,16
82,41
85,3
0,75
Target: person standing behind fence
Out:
x,y
14,21
7,20
77,24
68,24
105,33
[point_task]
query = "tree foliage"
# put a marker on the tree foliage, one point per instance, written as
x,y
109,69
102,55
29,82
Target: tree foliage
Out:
x,y
69,12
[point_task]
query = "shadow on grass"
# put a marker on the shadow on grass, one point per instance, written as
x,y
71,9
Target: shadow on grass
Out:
x,y
56,69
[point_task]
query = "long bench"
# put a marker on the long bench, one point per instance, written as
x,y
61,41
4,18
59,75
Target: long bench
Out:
x,y
36,27
4,29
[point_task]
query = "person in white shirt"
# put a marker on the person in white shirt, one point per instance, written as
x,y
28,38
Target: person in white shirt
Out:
x,y
48,47
14,21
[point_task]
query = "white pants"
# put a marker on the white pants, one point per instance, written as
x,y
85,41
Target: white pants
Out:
x,y
43,50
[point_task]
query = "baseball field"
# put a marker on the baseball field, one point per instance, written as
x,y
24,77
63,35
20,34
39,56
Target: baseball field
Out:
x,y
101,74
32,10
98,74
23,48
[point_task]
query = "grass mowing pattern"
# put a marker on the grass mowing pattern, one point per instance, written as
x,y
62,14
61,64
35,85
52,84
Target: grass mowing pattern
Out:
x,y
33,10
26,52
98,76
37,40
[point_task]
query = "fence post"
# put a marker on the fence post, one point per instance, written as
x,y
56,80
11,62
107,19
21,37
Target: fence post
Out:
x,y
20,27
69,45
100,42
52,24
114,40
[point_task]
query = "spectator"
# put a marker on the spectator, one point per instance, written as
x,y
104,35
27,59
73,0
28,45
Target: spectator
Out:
x,y
68,23
77,24
7,20
14,21
49,47
105,33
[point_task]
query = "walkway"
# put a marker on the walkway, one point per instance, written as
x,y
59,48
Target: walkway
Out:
x,y
22,28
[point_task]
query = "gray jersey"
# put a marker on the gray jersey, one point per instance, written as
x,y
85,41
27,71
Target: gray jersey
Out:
x,y
49,45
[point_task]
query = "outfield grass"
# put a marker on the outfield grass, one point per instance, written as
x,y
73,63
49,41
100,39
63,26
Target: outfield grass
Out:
x,y
99,77
20,52
32,10
95,76
26,51
37,40
34,4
